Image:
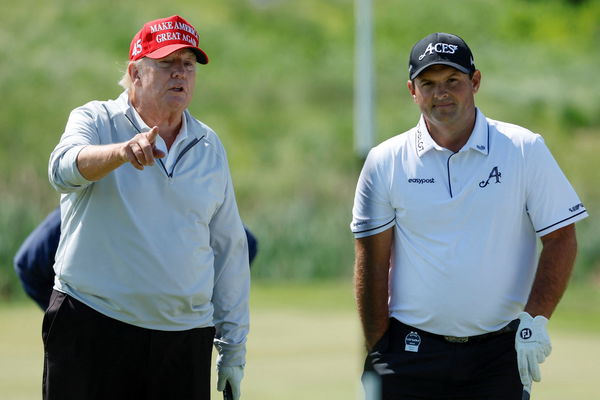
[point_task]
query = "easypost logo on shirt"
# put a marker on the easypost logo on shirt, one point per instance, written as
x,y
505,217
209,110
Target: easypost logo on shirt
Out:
x,y
420,181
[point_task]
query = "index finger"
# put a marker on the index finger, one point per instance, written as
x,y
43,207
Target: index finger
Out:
x,y
151,134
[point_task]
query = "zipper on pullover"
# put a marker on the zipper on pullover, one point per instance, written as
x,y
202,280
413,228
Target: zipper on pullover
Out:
x,y
185,150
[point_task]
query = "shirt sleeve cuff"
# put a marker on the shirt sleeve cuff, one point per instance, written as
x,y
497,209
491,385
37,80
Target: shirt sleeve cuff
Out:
x,y
230,355
370,228
68,167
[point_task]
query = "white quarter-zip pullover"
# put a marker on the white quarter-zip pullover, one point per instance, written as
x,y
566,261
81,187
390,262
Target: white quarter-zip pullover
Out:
x,y
163,248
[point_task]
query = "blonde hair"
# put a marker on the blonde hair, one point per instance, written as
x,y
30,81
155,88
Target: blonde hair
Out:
x,y
126,81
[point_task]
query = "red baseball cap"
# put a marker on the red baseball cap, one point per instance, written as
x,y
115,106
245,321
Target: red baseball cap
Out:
x,y
161,37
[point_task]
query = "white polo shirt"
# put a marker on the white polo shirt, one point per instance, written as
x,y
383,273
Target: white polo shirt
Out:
x,y
465,223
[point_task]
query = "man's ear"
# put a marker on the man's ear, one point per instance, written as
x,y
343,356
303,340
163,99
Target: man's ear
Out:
x,y
411,89
134,71
476,81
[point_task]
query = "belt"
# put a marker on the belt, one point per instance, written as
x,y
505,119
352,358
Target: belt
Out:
x,y
511,327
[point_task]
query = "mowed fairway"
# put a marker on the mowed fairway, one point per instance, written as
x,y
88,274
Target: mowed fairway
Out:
x,y
304,344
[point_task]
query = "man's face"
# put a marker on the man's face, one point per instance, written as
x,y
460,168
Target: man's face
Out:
x,y
167,83
444,95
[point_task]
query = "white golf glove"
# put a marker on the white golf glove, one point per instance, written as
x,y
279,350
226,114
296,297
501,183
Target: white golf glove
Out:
x,y
533,346
233,375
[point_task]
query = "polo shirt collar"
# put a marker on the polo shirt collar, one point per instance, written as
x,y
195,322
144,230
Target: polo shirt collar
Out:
x,y
423,140
478,141
480,137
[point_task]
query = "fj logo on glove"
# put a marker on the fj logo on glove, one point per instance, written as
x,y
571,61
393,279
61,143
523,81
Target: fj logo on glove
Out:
x,y
525,333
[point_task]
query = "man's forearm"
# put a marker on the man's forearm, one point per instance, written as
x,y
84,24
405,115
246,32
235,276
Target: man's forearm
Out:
x,y
371,293
371,277
95,162
554,270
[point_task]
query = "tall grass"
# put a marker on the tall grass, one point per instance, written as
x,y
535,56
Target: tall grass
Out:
x,y
279,89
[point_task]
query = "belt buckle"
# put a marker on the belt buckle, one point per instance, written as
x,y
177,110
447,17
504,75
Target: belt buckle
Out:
x,y
456,339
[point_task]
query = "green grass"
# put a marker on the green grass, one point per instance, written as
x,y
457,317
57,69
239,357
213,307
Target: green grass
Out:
x,y
579,309
305,344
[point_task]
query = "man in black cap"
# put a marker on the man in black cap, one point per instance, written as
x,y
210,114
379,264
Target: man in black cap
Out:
x,y
452,295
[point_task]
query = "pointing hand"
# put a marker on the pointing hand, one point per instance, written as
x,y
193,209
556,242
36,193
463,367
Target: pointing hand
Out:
x,y
141,150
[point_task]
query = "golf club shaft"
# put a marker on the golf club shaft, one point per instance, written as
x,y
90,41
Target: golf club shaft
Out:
x,y
227,393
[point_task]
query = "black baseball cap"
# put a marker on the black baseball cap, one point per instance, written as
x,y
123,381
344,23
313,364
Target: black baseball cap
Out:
x,y
440,48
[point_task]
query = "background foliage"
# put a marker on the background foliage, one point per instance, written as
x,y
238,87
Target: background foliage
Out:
x,y
279,91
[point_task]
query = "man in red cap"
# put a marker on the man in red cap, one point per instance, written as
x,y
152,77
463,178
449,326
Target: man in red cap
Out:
x,y
152,264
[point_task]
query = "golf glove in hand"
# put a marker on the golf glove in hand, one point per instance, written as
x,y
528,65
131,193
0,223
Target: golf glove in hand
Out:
x,y
233,375
533,346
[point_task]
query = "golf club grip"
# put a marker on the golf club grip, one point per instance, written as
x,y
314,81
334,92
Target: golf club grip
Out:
x,y
526,393
227,393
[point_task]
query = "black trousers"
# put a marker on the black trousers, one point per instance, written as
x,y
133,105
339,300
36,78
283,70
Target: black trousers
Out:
x,y
90,356
409,364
